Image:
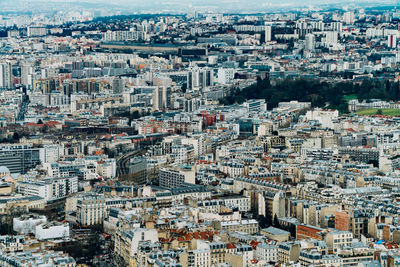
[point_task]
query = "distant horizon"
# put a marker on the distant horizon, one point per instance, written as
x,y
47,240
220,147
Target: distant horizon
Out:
x,y
181,5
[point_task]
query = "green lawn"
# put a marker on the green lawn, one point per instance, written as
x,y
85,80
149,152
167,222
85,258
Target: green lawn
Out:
x,y
349,97
385,111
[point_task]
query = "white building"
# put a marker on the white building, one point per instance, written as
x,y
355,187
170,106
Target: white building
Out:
x,y
267,252
268,33
225,76
339,239
52,230
36,31
6,76
50,153
310,42
26,224
49,188
172,178
242,203
331,37
325,117
133,238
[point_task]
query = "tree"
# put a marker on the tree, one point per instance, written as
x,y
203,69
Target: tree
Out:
x,y
379,112
15,137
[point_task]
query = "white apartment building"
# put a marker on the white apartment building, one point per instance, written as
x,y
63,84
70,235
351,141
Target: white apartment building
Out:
x,y
339,239
267,253
172,178
49,188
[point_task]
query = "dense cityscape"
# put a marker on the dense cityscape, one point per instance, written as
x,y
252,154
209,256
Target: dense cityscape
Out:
x,y
199,137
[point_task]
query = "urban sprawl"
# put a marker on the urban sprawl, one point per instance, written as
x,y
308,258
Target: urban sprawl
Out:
x,y
200,139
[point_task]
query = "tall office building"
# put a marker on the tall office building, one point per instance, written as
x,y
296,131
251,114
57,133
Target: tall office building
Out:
x,y
268,33
310,42
200,78
26,75
6,81
161,98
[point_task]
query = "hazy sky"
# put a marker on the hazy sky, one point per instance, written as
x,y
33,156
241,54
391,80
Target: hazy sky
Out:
x,y
185,5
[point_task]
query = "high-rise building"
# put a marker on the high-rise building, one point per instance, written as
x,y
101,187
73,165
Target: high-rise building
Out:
x,y
331,37
6,76
161,98
200,78
348,17
268,33
392,41
26,75
117,85
225,76
310,42
337,26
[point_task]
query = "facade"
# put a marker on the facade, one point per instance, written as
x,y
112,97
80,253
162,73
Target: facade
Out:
x,y
246,226
36,31
90,209
267,253
52,230
339,239
173,178
49,188
19,158
10,243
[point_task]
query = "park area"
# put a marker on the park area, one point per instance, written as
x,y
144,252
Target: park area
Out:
x,y
375,111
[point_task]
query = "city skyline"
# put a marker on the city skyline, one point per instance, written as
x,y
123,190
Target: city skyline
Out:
x,y
180,6
199,133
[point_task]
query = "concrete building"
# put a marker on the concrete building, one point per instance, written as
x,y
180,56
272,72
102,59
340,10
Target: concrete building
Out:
x,y
172,178
49,188
26,224
52,230
19,158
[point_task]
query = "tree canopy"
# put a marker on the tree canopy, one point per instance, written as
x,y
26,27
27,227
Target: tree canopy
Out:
x,y
326,94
